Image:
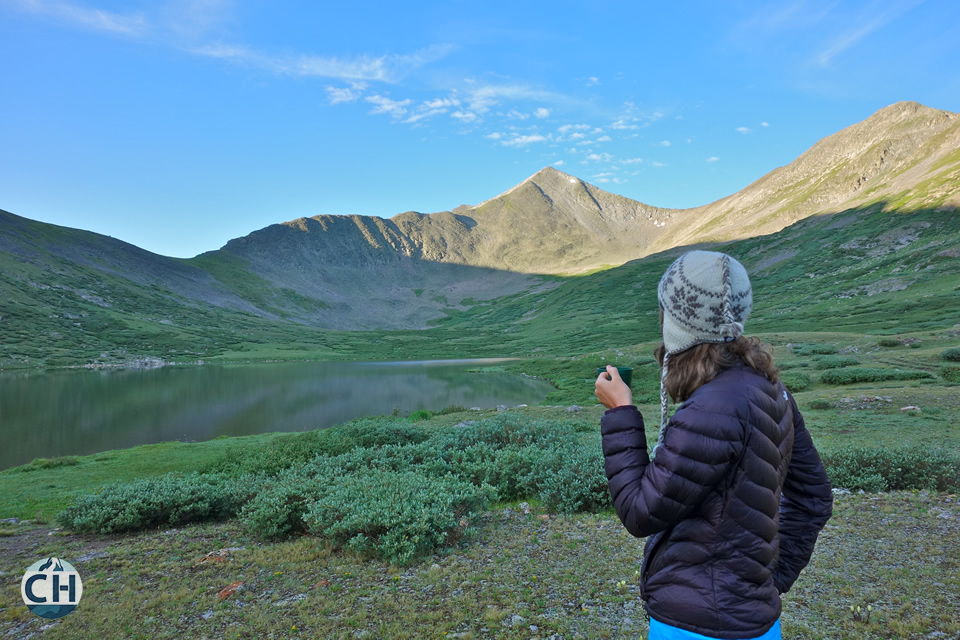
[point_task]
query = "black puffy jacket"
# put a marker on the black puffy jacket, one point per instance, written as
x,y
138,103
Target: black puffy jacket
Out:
x,y
733,502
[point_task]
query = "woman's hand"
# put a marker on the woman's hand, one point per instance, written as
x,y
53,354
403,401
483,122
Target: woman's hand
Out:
x,y
613,392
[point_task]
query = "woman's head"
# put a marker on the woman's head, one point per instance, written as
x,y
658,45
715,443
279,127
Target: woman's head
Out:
x,y
705,297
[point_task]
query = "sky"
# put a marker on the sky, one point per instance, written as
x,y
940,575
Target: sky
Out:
x,y
177,125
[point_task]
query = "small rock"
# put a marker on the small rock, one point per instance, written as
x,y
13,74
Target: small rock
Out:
x,y
574,408
534,627
522,406
229,590
507,512
465,423
93,555
361,633
476,409
910,408
206,615
286,602
543,516
501,408
513,620
525,507
10,521
626,622
434,567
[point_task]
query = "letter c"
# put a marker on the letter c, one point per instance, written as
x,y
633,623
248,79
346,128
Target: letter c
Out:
x,y
29,588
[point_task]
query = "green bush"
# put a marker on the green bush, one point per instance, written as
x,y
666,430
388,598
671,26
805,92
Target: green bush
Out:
x,y
571,478
820,404
509,429
507,470
419,415
865,374
371,432
878,469
835,362
289,450
169,500
952,354
393,515
889,342
795,381
950,374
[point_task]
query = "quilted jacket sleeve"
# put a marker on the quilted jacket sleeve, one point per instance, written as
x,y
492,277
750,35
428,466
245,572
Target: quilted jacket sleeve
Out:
x,y
805,505
698,449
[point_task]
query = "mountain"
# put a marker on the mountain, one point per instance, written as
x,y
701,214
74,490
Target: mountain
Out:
x,y
64,287
906,154
554,223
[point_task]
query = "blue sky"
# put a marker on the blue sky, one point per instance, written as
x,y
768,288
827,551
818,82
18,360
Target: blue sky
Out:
x,y
180,124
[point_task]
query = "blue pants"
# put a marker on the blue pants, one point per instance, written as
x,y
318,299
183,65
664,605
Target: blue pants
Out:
x,y
660,631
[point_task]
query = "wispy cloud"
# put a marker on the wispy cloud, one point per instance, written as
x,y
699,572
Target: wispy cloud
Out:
x,y
657,164
875,17
634,119
593,81
352,93
133,24
523,140
665,143
559,163
712,159
542,112
764,124
743,130
383,104
388,68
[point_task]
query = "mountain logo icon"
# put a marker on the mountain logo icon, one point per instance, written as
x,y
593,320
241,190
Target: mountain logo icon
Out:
x,y
51,588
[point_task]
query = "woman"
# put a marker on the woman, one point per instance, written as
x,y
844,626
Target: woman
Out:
x,y
735,494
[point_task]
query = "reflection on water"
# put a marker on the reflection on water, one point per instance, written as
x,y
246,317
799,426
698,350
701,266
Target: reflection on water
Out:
x,y
47,414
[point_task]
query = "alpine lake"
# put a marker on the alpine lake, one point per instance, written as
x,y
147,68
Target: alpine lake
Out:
x,y
79,412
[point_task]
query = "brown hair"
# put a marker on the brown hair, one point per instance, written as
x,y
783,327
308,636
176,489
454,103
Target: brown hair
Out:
x,y
698,365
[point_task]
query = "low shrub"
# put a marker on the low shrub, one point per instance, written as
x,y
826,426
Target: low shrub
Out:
x,y
952,354
879,469
510,429
820,404
795,380
419,415
950,374
173,499
866,374
395,516
835,362
371,432
571,478
889,342
290,450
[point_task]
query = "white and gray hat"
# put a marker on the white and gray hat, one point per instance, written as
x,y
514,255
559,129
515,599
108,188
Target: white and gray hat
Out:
x,y
706,297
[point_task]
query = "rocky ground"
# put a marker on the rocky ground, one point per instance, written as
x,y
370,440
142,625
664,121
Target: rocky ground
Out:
x,y
522,573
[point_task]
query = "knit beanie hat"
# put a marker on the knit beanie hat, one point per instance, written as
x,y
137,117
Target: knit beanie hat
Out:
x,y
705,297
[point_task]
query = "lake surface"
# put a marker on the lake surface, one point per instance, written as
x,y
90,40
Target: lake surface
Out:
x,y
57,413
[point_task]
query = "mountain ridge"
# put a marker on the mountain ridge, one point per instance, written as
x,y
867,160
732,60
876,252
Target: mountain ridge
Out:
x,y
414,269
